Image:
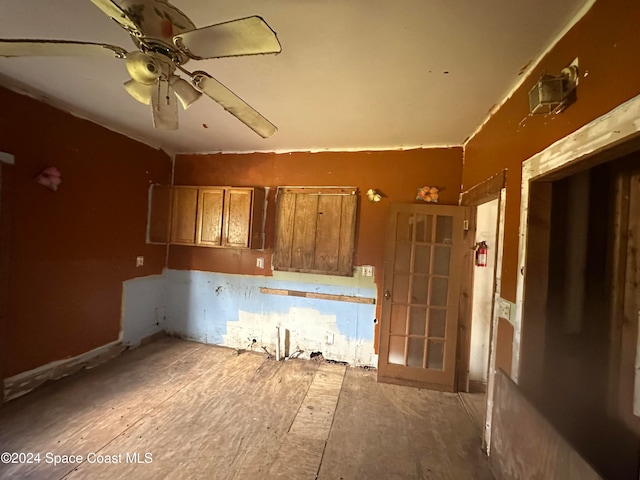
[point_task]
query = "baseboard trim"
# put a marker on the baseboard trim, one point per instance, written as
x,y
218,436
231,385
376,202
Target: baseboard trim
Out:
x,y
152,338
24,382
476,386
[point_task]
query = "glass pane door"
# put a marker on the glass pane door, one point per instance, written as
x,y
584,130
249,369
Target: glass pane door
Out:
x,y
420,310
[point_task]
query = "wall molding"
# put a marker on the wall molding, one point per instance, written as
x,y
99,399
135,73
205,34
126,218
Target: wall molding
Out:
x,y
484,191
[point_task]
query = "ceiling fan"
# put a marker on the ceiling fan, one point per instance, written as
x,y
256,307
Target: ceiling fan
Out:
x,y
166,40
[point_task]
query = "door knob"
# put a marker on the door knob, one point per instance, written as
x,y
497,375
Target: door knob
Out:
x,y
387,294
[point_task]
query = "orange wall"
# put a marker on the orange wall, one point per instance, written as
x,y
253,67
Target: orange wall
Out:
x,y
607,43
397,174
66,253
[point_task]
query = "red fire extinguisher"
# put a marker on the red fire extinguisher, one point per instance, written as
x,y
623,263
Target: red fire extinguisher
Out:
x,y
481,254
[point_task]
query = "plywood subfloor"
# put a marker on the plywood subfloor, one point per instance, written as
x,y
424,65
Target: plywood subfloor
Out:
x,y
176,409
475,404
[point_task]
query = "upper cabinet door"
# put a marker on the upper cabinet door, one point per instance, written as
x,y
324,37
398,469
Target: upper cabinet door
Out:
x,y
206,216
210,209
183,215
237,213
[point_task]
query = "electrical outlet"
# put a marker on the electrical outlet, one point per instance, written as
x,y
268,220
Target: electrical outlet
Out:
x,y
367,271
504,309
330,338
260,262
139,261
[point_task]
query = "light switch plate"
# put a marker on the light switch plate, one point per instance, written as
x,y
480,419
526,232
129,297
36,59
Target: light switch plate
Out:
x,y
367,271
260,262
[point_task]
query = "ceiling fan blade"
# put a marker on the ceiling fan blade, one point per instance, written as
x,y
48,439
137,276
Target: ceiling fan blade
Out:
x,y
247,36
164,106
44,48
233,104
115,12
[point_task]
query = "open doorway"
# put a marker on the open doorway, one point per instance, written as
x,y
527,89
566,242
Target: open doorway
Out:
x,y
488,198
482,304
483,296
580,327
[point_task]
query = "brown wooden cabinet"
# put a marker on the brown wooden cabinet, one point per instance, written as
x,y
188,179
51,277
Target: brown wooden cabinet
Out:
x,y
210,217
207,216
316,230
183,215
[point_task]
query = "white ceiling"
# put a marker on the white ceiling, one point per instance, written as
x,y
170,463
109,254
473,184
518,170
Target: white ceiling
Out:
x,y
352,75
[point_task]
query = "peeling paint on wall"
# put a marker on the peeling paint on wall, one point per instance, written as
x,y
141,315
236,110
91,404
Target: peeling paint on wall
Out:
x,y
143,308
229,310
303,330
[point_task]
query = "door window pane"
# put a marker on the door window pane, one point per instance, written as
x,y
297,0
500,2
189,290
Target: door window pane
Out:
x,y
403,257
439,292
423,227
444,229
417,320
437,322
435,355
419,289
441,260
399,319
422,258
396,350
415,357
400,288
404,228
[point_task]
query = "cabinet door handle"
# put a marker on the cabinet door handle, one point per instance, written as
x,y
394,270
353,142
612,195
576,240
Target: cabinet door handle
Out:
x,y
387,295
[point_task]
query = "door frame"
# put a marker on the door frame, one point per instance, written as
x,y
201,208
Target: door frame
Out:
x,y
490,189
607,137
611,136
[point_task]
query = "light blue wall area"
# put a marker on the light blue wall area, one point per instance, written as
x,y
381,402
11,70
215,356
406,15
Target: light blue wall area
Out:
x,y
143,306
201,305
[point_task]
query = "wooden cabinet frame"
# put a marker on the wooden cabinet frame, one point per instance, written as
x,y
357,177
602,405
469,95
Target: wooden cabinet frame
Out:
x,y
206,216
315,230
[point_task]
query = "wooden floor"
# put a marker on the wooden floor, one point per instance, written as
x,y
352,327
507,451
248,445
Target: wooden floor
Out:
x,y
176,409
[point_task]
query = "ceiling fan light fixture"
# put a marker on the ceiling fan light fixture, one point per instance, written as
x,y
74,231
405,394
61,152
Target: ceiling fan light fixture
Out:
x,y
139,91
185,92
143,68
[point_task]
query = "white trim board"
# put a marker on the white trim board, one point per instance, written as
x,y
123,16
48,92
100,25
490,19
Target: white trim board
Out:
x,y
611,129
494,323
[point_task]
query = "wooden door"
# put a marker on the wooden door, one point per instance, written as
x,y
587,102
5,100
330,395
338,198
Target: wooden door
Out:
x,y
237,217
183,215
316,230
210,205
422,273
